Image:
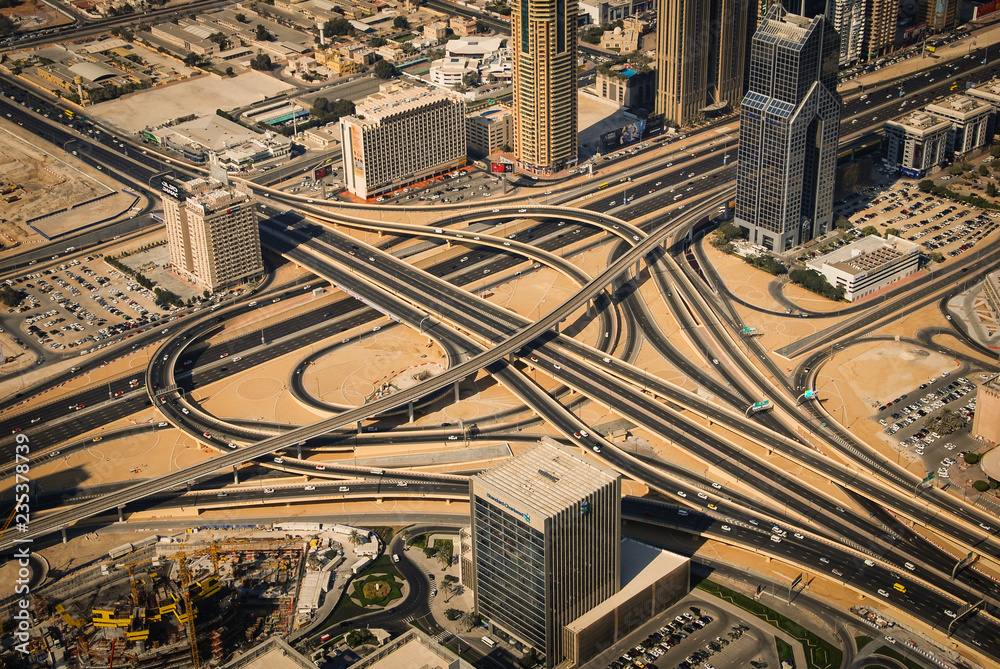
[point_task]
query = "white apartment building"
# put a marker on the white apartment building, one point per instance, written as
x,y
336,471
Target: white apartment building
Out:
x,y
867,265
918,142
969,118
451,71
212,232
401,135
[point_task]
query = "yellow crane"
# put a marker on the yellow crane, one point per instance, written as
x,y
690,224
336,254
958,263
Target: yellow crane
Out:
x,y
189,610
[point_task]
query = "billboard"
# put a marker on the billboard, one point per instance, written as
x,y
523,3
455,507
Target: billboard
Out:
x,y
985,10
321,172
357,152
500,168
172,188
654,124
628,134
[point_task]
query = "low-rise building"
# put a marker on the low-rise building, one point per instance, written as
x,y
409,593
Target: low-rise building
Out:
x,y
991,291
436,30
969,118
462,25
480,48
623,40
918,142
868,264
183,37
412,649
489,131
401,135
452,71
603,12
628,87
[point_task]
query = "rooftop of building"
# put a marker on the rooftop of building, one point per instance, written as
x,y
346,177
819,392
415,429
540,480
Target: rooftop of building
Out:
x,y
990,86
780,24
397,98
274,653
959,103
473,45
865,254
919,120
549,476
212,194
412,649
993,383
641,566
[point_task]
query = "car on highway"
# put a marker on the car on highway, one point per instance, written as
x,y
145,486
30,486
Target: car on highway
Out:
x,y
310,487
207,435
726,528
681,493
321,467
883,592
223,494
224,355
268,491
96,439
949,613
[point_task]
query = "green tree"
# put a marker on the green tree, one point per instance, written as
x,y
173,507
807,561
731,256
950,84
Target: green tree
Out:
x,y
892,231
471,78
261,33
10,297
470,620
455,614
591,35
220,39
229,72
955,170
447,588
6,4
981,486
869,230
384,70
377,42
242,18
984,171
972,458
991,189
936,256
360,637
843,223
261,62
481,27
400,23
816,282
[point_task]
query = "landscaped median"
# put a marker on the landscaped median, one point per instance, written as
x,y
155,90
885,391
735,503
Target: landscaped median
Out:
x,y
819,653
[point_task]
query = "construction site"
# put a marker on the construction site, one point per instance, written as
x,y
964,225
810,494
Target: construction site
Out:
x,y
165,602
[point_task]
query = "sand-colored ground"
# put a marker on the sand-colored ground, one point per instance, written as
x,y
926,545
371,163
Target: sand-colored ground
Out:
x,y
200,96
48,179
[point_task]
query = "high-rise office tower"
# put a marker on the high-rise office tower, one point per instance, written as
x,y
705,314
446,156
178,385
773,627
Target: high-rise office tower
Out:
x,y
212,232
544,43
701,51
789,130
546,529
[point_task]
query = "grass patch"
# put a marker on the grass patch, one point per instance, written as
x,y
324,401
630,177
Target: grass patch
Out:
x,y
819,653
420,627
376,590
862,641
784,649
345,610
896,655
419,541
385,565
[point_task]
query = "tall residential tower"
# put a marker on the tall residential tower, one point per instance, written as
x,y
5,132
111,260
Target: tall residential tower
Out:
x,y
701,50
544,44
789,131
546,543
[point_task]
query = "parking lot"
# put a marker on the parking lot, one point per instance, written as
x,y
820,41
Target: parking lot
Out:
x,y
938,225
698,635
904,419
78,306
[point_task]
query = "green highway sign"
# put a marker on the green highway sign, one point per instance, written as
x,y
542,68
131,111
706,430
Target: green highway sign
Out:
x,y
762,404
749,330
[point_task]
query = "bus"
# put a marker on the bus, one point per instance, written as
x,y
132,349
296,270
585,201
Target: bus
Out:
x,y
69,112
488,641
603,185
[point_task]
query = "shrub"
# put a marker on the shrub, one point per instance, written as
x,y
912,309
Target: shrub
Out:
x,y
455,614
972,458
981,486
817,283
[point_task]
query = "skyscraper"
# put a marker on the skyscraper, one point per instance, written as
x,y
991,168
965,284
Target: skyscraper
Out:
x,y
546,529
789,131
212,232
850,20
544,42
701,51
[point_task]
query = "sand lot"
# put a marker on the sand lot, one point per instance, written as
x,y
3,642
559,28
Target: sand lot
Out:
x,y
49,179
201,96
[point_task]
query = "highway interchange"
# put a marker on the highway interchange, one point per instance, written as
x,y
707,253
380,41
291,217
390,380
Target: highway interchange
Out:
x,y
819,533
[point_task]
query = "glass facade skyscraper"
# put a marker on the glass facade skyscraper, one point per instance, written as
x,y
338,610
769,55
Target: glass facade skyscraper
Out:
x,y
789,131
546,529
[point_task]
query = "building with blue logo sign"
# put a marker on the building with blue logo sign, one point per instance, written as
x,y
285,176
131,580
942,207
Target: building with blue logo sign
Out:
x,y
789,131
546,547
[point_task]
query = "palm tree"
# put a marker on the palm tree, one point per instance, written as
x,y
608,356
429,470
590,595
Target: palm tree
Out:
x,y
470,620
354,537
447,588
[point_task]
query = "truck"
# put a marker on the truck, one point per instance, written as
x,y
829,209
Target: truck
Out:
x,y
395,557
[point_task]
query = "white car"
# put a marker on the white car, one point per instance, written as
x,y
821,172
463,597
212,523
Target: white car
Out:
x,y
883,593
726,528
